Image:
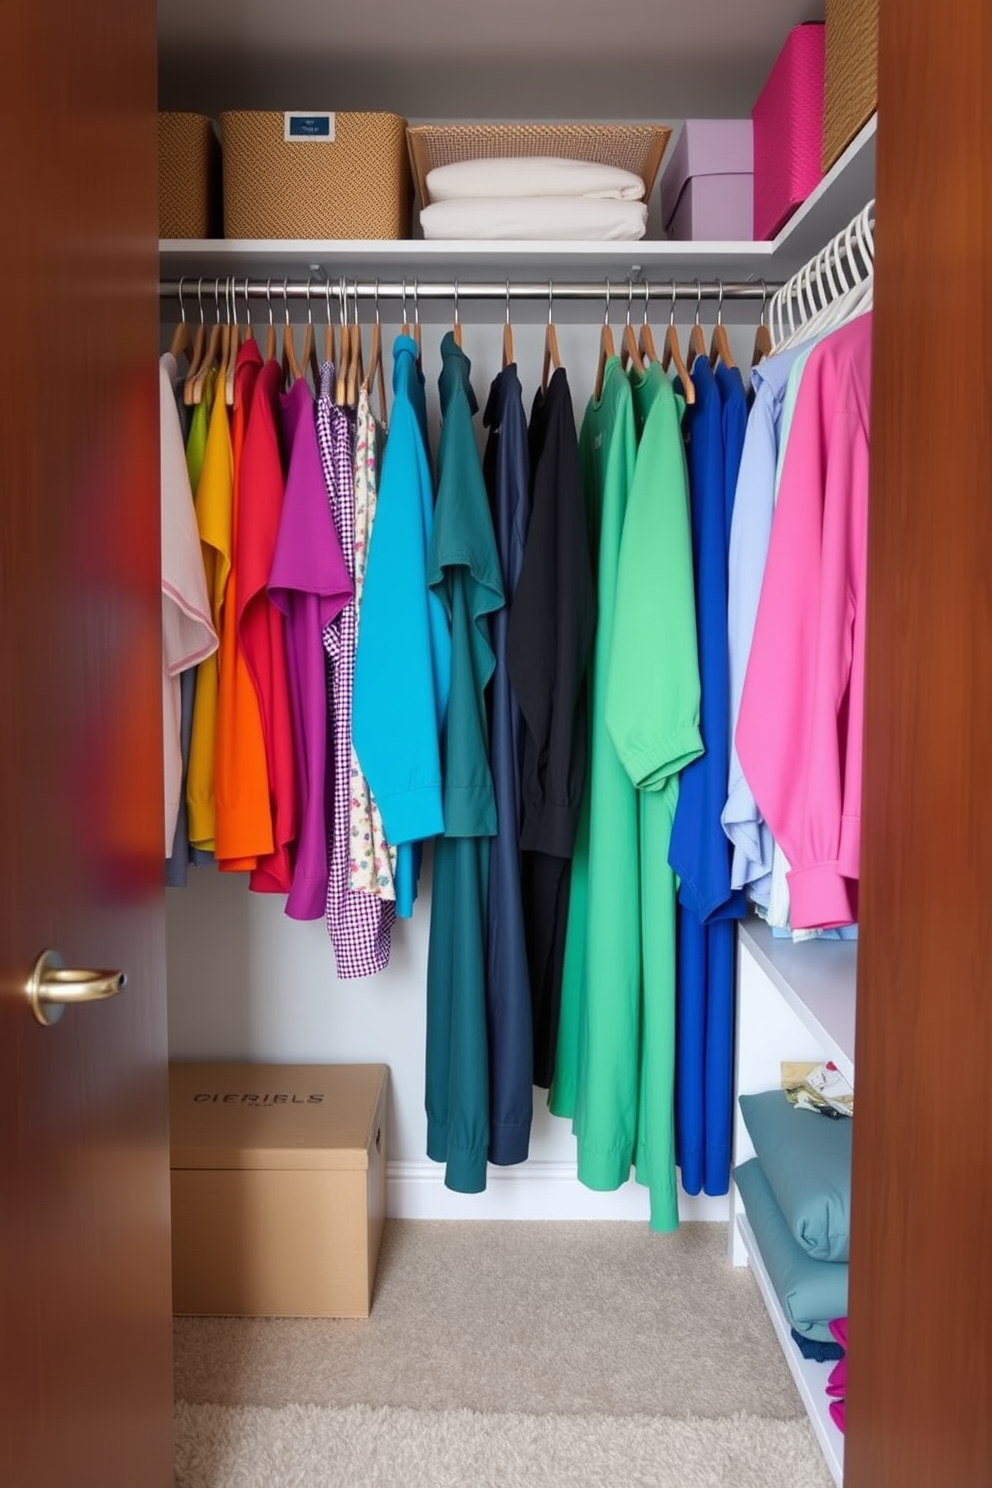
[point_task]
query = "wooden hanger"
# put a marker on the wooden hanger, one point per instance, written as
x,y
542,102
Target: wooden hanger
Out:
x,y
308,356
719,342
762,335
645,341
344,360
329,328
356,364
606,349
415,329
629,350
216,349
697,338
182,342
552,357
508,357
249,328
671,355
291,369
270,333
199,349
456,329
234,341
376,367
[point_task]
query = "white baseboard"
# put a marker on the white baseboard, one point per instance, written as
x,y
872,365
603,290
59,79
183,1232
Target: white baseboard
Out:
x,y
533,1190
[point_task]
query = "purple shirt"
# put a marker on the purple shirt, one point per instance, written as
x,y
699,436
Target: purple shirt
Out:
x,y
310,584
358,923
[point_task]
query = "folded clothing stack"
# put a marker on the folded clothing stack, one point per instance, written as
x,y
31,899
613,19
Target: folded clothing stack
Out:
x,y
837,1380
797,1197
534,197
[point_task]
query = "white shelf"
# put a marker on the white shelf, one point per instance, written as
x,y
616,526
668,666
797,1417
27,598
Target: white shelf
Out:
x,y
818,979
810,1377
839,196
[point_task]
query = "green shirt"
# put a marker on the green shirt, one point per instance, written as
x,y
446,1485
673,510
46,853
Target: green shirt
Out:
x,y
615,1067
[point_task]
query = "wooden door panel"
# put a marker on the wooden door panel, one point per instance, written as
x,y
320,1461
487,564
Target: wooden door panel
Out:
x,y
920,1403
85,1352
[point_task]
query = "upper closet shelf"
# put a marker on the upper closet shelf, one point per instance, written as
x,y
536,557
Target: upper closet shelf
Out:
x,y
818,980
840,195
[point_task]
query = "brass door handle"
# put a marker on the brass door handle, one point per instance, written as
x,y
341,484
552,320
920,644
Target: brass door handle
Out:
x,y
52,987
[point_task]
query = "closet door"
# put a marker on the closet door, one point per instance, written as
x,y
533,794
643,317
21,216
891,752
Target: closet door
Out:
x,y
85,1327
920,1409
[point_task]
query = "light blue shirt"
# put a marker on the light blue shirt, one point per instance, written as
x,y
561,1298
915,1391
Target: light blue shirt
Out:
x,y
750,533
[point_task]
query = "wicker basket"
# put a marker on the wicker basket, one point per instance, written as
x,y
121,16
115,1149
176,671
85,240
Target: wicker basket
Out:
x,y
188,176
355,185
633,147
851,73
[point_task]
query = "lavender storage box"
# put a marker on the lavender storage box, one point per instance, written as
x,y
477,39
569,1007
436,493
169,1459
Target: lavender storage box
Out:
x,y
707,189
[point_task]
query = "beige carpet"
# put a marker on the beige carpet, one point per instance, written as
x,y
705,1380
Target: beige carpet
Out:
x,y
496,1352
305,1446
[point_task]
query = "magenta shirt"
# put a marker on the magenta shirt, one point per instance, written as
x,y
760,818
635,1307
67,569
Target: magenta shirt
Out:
x,y
310,584
800,728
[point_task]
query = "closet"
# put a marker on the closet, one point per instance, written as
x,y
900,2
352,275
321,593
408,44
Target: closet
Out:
x,y
921,1297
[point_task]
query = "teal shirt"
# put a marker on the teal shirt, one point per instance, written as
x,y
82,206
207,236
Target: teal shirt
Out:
x,y
464,574
403,660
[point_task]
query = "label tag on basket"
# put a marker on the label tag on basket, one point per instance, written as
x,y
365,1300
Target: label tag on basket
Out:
x,y
317,128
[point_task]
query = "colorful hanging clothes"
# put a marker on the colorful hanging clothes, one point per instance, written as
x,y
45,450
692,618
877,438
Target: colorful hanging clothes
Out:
x,y
195,420
403,660
188,636
652,710
699,851
261,627
359,924
508,997
799,734
464,572
372,868
552,620
242,808
309,583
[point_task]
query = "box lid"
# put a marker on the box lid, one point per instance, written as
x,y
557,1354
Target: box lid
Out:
x,y
274,1115
706,147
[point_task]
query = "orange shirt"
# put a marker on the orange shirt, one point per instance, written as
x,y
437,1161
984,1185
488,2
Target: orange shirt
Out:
x,y
243,819
261,624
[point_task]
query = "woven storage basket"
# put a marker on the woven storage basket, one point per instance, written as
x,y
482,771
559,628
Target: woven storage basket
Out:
x,y
634,147
851,73
354,186
188,176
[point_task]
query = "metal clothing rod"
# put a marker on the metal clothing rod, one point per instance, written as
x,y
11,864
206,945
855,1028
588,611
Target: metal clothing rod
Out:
x,y
317,289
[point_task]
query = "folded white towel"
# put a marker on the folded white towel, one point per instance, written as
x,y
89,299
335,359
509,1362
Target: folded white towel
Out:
x,y
535,217
532,175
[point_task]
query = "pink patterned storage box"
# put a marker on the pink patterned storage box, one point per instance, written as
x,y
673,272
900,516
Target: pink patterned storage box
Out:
x,y
707,188
788,130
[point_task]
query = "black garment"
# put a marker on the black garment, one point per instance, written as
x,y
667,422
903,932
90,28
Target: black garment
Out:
x,y
550,638
508,1003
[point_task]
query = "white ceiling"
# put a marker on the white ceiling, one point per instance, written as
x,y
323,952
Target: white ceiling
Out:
x,y
482,59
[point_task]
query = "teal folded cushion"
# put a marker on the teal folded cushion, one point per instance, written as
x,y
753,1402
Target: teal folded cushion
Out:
x,y
806,1159
811,1292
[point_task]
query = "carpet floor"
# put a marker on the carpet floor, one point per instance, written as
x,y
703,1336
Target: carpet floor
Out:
x,y
507,1353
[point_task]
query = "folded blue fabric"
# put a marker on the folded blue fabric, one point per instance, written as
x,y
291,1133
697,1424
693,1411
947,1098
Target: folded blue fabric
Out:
x,y
820,1353
807,1162
811,1292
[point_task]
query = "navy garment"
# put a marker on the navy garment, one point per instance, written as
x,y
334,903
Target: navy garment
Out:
x,y
699,851
508,1009
550,635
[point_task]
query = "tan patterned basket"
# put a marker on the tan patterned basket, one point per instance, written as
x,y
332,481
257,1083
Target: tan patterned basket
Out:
x,y
633,147
852,73
188,176
356,185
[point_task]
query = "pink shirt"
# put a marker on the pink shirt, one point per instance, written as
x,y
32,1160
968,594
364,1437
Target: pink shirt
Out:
x,y
800,727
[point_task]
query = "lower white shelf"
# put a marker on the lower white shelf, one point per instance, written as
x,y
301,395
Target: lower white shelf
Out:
x,y
810,1377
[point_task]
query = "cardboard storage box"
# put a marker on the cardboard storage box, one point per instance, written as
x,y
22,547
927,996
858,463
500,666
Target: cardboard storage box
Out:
x,y
707,191
278,1187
